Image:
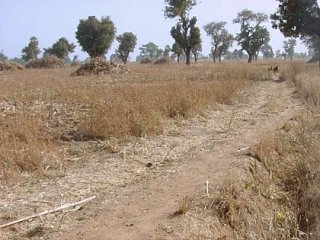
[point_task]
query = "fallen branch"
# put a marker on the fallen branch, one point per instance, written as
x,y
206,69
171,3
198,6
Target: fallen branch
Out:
x,y
69,205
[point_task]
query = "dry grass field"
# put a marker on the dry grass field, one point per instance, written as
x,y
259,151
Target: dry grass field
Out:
x,y
40,109
45,114
279,199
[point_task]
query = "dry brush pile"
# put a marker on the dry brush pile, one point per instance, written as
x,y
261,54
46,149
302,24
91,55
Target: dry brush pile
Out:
x,y
46,62
9,66
99,66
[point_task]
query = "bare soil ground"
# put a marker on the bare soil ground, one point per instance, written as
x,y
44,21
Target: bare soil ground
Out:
x,y
139,182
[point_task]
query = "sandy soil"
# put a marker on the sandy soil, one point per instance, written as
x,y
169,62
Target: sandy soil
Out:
x,y
138,183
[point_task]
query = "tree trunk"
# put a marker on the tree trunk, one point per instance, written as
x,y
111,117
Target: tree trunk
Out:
x,y
188,53
195,58
219,58
178,58
250,58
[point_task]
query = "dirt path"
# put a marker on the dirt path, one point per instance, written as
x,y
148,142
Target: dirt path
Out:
x,y
146,208
139,183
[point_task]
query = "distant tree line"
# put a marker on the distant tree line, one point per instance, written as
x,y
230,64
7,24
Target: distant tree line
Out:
x,y
294,18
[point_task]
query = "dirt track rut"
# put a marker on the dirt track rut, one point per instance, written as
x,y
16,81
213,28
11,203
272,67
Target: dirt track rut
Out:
x,y
144,208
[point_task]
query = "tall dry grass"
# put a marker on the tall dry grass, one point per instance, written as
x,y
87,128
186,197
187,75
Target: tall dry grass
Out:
x,y
306,77
23,143
50,105
280,198
308,83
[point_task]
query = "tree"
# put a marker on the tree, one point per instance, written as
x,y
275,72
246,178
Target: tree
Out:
x,y
221,39
149,50
297,18
185,32
177,50
31,51
252,34
313,44
127,44
167,50
267,51
300,18
60,49
196,50
226,42
94,36
236,55
288,47
3,56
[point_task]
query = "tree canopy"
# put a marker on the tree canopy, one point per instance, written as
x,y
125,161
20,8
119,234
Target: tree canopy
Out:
x,y
221,39
196,50
267,51
185,32
31,51
177,50
252,34
288,47
127,43
297,18
150,50
60,49
179,8
94,36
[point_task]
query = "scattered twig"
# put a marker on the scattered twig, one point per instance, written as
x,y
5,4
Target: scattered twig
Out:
x,y
69,205
168,153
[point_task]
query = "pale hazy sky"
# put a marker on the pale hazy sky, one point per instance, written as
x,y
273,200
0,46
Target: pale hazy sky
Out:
x,y
49,20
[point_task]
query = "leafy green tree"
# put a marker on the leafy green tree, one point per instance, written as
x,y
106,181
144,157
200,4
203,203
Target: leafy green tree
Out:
x,y
60,49
3,56
177,50
288,47
252,34
297,18
235,55
185,33
313,45
278,54
221,39
127,44
267,51
149,50
226,42
196,50
31,51
167,50
160,53
94,36
300,18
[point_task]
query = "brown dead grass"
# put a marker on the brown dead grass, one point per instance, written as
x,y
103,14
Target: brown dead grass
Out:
x,y
49,105
23,143
280,198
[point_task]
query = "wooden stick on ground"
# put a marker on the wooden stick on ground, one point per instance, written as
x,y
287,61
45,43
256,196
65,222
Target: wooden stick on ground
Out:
x,y
69,205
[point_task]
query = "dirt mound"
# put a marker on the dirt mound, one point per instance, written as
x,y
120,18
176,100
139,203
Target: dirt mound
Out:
x,y
47,62
146,61
162,61
9,66
99,66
